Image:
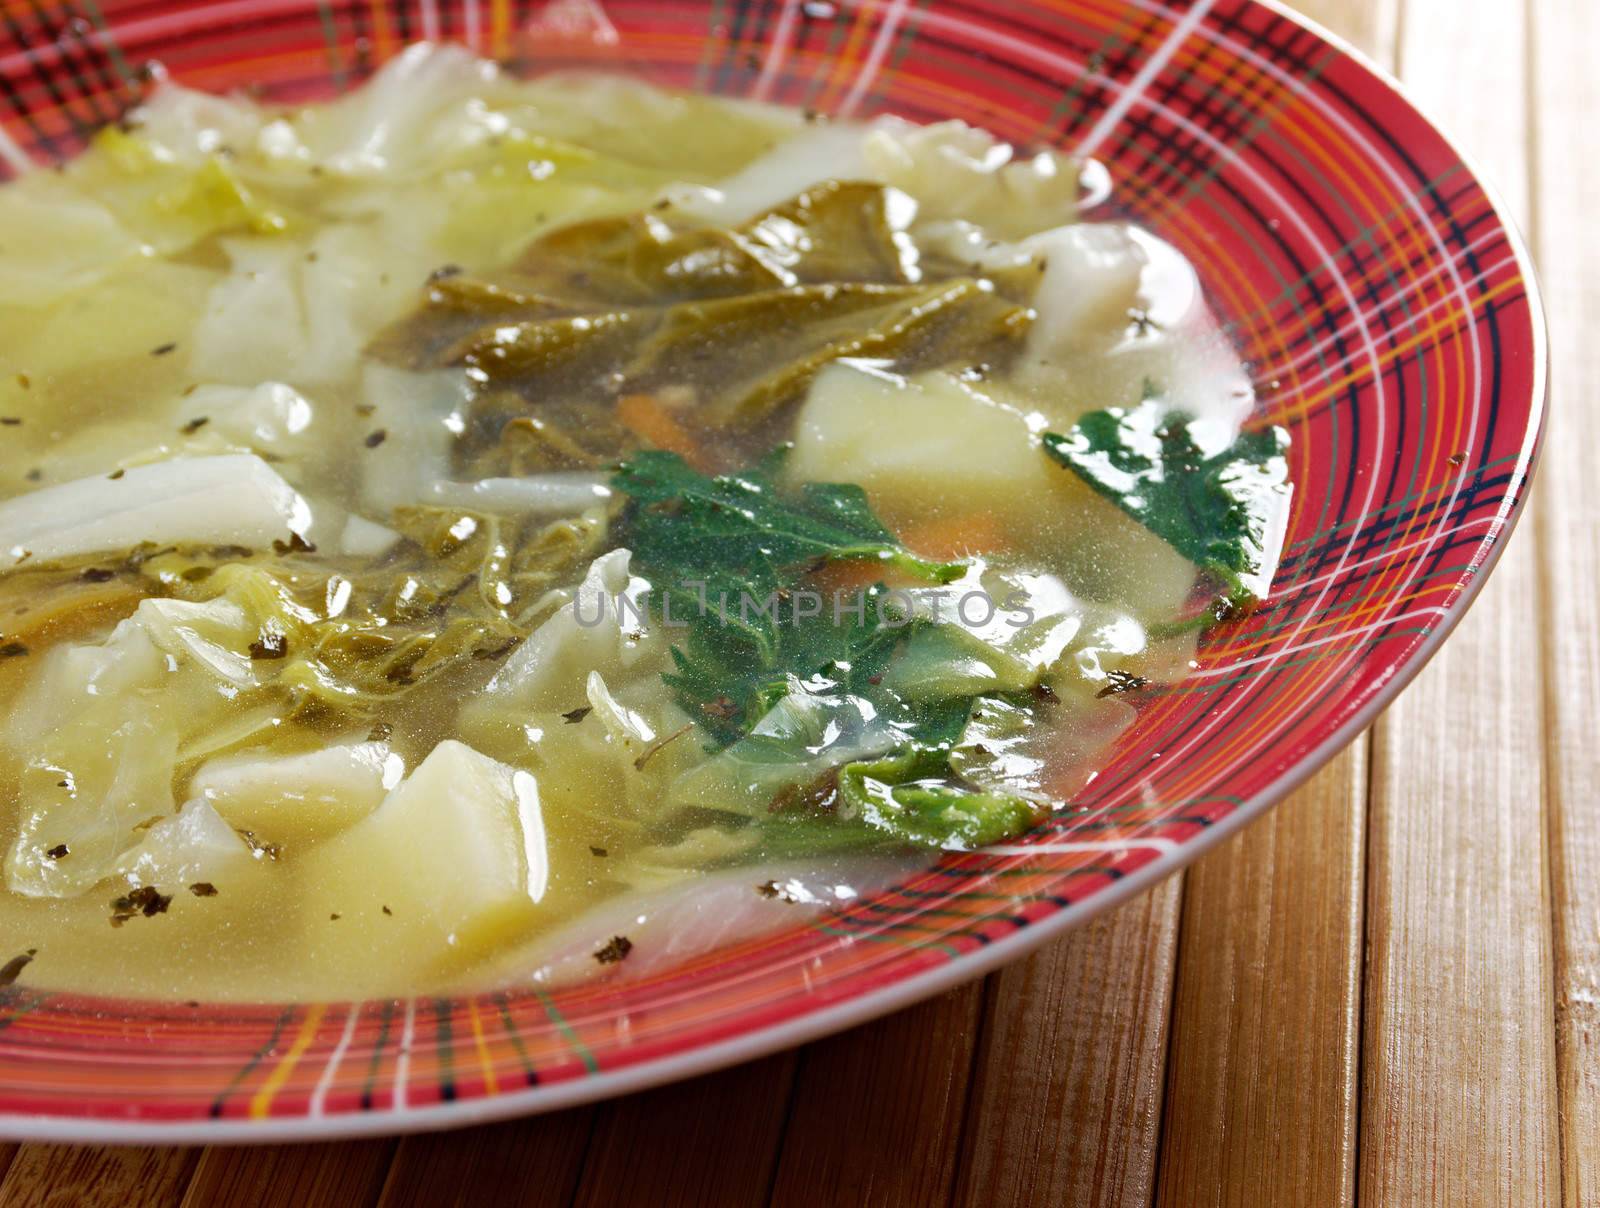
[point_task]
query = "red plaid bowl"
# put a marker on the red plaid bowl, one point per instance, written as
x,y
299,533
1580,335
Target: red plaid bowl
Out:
x,y
1373,283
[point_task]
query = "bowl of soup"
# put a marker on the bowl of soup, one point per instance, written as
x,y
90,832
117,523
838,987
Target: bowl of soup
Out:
x,y
542,552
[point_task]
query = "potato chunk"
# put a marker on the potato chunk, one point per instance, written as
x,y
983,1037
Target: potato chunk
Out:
x,y
454,861
930,443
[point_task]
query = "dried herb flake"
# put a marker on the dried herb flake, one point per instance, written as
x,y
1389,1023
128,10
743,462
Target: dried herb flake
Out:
x,y
295,545
146,900
1122,681
260,850
614,950
270,645
14,966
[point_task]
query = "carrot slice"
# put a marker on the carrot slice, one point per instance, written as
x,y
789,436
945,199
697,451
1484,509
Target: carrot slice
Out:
x,y
951,537
848,578
653,422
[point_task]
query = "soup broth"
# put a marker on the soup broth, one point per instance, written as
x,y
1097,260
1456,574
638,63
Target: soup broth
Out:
x,y
483,530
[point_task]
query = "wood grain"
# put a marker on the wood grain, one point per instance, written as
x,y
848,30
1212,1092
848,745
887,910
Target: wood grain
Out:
x,y
713,1140
345,1175
1566,96
1458,1099
1369,25
1459,1089
1262,1070
877,1111
95,1176
1066,1097
520,1164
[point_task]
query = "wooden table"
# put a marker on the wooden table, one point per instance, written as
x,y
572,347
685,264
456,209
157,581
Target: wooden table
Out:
x,y
1388,989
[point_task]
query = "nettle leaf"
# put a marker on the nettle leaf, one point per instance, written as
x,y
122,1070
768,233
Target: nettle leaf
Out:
x,y
743,521
724,555
716,549
727,675
1224,508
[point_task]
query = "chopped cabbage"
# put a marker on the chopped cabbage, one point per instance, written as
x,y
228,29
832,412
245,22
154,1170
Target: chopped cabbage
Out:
x,y
184,125
993,632
79,809
303,311
420,413
804,159
696,915
270,417
236,499
193,846
55,242
1092,277
957,171
391,126
952,171
554,494
802,736
601,627
306,796
171,205
1043,757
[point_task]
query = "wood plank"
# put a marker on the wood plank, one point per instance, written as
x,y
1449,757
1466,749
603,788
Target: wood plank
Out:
x,y
343,1175
1262,1068
1459,1089
712,1140
1066,1094
95,1176
1566,95
877,1111
1262,1071
1370,25
1458,1096
530,1163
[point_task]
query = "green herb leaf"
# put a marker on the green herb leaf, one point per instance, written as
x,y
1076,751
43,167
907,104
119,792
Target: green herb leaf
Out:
x,y
1224,508
910,795
725,554
684,520
713,546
